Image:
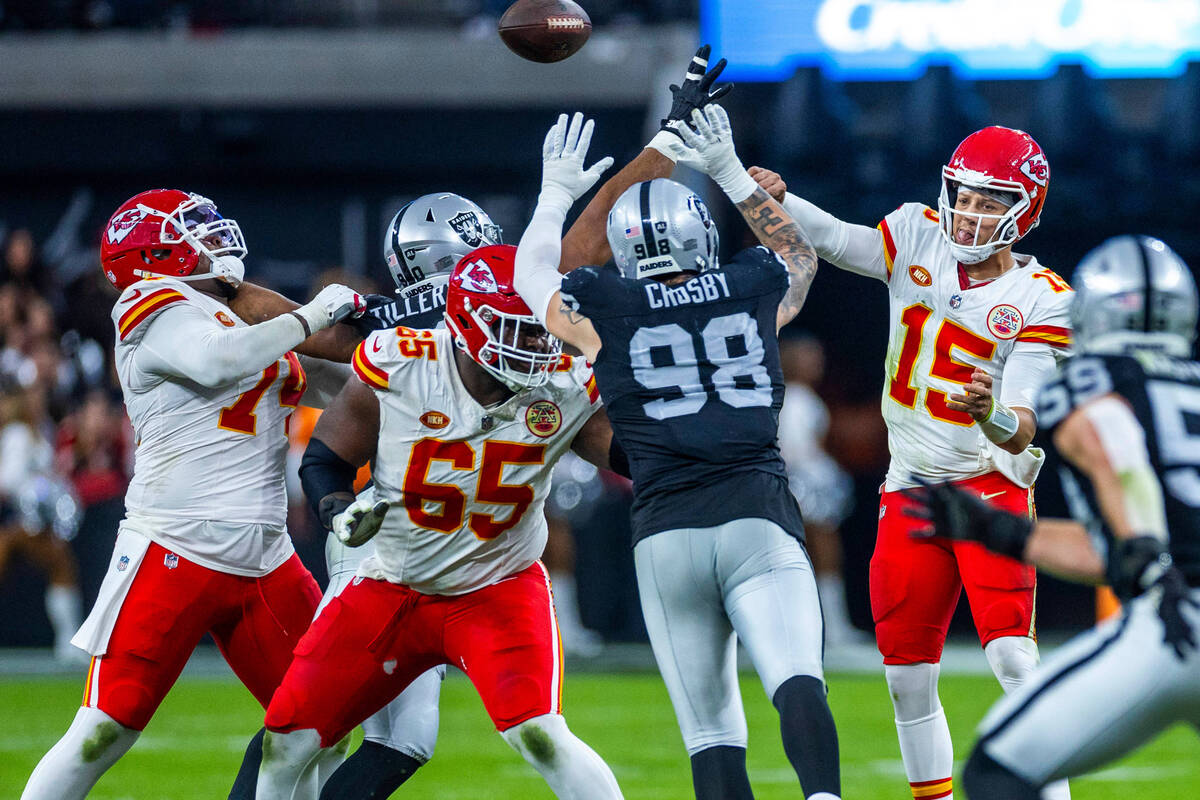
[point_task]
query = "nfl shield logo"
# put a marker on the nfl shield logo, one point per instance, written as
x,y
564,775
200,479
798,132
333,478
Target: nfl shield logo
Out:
x,y
955,300
123,564
170,561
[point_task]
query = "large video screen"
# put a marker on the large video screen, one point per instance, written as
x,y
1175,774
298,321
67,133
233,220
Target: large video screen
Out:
x,y
767,40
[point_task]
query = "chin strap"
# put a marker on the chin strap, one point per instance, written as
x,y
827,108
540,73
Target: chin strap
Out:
x,y
227,269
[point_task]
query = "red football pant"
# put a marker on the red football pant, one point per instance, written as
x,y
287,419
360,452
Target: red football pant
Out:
x,y
915,583
376,637
256,623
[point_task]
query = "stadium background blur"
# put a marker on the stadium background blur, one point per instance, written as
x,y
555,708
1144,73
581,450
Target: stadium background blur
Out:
x,y
312,122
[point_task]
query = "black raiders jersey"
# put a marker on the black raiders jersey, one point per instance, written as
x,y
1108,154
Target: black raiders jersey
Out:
x,y
691,380
419,310
1164,393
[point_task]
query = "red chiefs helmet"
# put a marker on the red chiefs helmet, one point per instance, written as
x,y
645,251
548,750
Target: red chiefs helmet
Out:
x,y
996,161
164,232
490,321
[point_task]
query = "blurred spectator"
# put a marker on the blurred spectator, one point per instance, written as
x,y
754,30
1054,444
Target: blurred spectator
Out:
x,y
576,487
38,512
821,487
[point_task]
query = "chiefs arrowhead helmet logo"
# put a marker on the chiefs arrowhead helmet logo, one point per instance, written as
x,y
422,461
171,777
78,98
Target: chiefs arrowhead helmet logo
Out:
x,y
1037,169
479,278
120,225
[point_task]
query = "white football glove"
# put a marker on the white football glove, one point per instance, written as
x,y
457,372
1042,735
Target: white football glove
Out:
x,y
671,146
712,140
332,304
564,180
359,523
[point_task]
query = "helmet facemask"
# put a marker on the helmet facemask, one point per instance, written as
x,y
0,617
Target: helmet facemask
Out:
x,y
1006,232
197,224
503,355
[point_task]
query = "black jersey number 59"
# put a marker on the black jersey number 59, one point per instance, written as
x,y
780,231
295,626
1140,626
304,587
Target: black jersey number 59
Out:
x,y
683,373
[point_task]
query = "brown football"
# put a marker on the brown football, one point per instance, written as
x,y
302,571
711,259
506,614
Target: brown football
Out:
x,y
545,30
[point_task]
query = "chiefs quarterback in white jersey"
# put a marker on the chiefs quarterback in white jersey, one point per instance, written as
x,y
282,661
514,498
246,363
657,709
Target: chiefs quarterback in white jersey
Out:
x,y
203,547
975,330
463,425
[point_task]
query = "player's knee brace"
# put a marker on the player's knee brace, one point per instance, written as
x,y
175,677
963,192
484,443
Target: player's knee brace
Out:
x,y
984,777
1012,658
90,746
288,761
569,767
913,688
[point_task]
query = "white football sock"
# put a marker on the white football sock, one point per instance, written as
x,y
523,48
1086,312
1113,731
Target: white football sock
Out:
x,y
925,745
71,768
570,768
289,766
64,608
1013,659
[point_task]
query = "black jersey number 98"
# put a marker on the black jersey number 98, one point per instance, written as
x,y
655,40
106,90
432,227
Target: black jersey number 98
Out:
x,y
683,373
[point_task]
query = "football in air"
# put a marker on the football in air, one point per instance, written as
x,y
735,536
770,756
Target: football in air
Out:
x,y
545,30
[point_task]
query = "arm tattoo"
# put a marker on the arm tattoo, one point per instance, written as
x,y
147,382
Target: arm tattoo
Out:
x,y
573,316
779,232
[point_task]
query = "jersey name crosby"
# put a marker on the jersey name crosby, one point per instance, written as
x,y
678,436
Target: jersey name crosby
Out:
x,y
942,328
467,483
205,454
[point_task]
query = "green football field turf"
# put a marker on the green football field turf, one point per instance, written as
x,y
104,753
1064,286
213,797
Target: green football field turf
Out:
x,y
193,746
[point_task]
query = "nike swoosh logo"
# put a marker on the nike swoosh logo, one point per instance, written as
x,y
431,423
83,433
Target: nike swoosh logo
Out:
x,y
136,294
375,346
987,496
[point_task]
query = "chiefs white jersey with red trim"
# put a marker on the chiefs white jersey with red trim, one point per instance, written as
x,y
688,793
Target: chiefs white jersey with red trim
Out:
x,y
942,327
467,483
208,479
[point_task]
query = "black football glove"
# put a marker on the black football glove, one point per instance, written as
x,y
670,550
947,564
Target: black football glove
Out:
x,y
1141,564
956,513
382,312
695,90
1177,631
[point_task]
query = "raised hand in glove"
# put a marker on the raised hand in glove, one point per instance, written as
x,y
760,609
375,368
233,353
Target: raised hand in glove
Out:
x,y
956,513
710,135
696,92
360,521
564,180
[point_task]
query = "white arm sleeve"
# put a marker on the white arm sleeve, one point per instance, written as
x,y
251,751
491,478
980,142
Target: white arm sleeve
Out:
x,y
185,342
1028,368
855,248
325,380
1124,442
536,277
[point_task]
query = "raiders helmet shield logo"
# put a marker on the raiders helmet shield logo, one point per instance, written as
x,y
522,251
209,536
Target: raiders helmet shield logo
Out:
x,y
121,225
468,228
1037,169
543,418
1005,321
